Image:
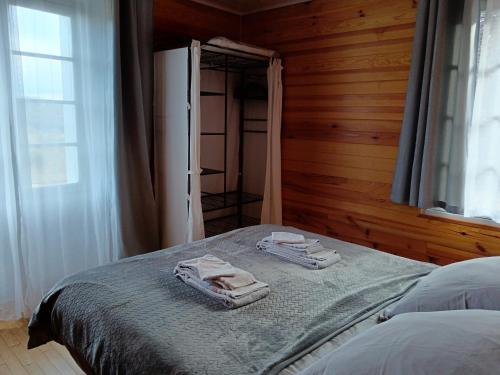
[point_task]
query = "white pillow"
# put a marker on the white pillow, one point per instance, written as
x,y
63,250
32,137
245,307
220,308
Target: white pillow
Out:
x,y
461,342
471,284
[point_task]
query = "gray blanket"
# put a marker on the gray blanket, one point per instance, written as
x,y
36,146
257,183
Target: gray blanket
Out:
x,y
135,317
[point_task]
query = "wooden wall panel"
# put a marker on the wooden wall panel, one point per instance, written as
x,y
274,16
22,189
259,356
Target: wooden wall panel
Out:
x,y
176,22
345,78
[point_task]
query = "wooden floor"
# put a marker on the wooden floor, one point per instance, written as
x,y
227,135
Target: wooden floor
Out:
x,y
15,359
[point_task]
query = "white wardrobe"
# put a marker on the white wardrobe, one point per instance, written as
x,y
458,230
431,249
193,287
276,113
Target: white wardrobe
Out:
x,y
217,132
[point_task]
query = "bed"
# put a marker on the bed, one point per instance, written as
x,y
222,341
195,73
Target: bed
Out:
x,y
135,317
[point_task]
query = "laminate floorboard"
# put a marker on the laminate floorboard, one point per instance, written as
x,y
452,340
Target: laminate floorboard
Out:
x,y
16,359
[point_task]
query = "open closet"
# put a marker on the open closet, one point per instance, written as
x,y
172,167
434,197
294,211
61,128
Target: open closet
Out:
x,y
217,124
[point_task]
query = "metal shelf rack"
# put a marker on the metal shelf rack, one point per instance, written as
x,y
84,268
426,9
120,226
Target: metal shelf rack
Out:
x,y
246,65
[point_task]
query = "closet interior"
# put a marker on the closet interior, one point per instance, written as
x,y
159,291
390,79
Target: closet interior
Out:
x,y
217,134
233,107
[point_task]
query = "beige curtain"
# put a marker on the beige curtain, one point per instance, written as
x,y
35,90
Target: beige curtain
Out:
x,y
271,206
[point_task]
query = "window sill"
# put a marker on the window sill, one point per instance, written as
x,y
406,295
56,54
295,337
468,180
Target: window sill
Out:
x,y
459,219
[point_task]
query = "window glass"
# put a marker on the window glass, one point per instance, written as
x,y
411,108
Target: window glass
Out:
x,y
42,56
50,122
53,165
44,78
43,32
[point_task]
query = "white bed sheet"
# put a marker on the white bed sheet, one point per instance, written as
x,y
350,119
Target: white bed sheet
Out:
x,y
329,346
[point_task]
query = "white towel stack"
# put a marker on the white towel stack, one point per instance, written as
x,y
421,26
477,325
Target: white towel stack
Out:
x,y
216,278
297,249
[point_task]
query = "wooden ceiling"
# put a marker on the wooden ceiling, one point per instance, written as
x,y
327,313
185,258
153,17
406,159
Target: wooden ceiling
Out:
x,y
243,7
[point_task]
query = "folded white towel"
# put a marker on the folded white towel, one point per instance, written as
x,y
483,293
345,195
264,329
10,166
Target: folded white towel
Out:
x,y
231,299
218,271
320,258
239,280
286,237
309,246
221,288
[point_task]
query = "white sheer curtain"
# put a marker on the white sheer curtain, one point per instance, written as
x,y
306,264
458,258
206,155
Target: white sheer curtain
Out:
x,y
482,180
58,201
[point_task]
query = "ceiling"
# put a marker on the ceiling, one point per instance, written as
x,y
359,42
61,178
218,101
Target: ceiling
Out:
x,y
243,7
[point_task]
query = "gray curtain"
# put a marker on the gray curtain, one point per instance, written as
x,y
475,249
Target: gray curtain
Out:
x,y
431,157
139,215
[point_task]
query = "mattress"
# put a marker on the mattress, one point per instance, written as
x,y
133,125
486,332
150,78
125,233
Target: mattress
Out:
x,y
135,317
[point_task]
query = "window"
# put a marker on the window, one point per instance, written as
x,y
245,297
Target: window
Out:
x,y
44,95
467,172
58,145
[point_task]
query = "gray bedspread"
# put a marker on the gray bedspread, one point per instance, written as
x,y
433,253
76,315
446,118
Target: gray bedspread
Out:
x,y
135,317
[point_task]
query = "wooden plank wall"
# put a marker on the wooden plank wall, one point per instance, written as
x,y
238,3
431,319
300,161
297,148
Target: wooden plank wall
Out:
x,y
345,79
177,22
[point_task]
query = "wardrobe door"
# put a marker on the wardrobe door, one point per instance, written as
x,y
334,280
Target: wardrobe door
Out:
x,y
172,143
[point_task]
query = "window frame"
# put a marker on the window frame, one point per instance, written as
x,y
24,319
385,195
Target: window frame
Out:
x,y
65,9
437,214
